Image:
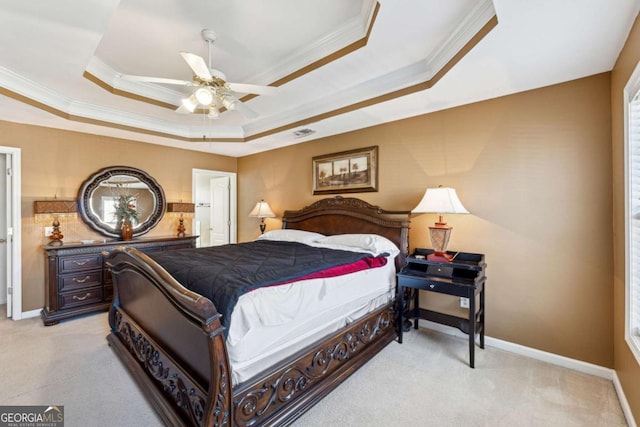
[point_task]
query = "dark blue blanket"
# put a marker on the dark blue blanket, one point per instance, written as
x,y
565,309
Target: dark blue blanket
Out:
x,y
224,273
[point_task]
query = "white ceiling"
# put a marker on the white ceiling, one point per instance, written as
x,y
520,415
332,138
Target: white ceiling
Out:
x,y
54,54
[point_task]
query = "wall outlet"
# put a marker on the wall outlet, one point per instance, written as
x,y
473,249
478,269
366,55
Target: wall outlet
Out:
x,y
464,302
48,231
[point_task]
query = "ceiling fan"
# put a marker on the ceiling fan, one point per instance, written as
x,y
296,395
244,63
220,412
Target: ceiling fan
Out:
x,y
212,91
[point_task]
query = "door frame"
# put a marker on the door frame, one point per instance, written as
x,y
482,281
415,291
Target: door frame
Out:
x,y
233,197
14,231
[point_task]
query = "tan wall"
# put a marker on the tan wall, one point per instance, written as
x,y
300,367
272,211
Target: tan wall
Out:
x,y
626,366
56,162
534,170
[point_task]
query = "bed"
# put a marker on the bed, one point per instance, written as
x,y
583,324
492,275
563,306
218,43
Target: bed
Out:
x,y
174,344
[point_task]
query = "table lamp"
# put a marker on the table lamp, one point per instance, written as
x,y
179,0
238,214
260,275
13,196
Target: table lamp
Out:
x,y
441,200
262,211
181,209
53,210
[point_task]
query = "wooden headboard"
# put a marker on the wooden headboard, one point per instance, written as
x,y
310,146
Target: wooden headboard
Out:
x,y
344,215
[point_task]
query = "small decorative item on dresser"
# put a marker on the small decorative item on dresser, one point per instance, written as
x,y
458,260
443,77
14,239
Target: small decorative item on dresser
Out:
x,y
126,214
181,209
127,230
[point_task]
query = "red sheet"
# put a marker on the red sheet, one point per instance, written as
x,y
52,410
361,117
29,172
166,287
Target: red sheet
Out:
x,y
363,264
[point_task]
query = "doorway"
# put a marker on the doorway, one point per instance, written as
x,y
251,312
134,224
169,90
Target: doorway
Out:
x,y
214,195
10,238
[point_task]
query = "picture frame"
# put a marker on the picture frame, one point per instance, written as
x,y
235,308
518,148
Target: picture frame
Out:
x,y
353,171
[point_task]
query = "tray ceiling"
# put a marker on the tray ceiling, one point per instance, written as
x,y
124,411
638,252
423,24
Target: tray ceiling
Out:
x,y
338,65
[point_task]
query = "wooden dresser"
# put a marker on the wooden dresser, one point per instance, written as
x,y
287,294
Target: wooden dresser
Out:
x,y
77,281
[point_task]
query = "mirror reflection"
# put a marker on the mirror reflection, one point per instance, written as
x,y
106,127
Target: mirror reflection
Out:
x,y
110,193
117,193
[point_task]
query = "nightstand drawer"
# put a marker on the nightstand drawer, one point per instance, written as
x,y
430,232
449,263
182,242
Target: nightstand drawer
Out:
x,y
84,262
84,297
80,280
444,287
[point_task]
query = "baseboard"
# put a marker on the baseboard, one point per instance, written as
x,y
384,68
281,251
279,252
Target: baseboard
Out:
x,y
554,359
624,403
32,313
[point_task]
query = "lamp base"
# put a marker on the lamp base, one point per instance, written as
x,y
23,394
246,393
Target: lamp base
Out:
x,y
55,242
438,256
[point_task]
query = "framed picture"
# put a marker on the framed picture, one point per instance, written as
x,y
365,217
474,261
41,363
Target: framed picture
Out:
x,y
354,171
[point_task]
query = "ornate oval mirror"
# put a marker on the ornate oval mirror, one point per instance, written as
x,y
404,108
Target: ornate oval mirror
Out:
x,y
101,193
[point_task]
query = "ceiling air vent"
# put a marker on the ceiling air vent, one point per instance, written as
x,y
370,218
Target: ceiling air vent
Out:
x,y
303,132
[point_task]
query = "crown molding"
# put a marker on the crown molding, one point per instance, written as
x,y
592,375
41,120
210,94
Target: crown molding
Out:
x,y
111,78
418,76
355,31
481,14
412,78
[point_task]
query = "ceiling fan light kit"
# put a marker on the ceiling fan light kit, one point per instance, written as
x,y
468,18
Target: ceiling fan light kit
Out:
x,y
212,89
190,103
204,96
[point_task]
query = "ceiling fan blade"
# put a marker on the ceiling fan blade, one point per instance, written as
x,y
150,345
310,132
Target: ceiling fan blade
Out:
x,y
198,65
155,80
254,89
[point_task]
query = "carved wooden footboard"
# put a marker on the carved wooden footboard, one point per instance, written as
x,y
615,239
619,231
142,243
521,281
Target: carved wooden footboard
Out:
x,y
172,341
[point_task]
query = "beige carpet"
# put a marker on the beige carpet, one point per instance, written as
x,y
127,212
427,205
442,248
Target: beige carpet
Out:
x,y
424,382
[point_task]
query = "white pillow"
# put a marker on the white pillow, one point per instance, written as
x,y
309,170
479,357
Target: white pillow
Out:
x,y
286,235
369,242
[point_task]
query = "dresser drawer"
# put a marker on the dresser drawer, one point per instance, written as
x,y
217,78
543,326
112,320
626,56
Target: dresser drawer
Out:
x,y
78,263
82,297
83,279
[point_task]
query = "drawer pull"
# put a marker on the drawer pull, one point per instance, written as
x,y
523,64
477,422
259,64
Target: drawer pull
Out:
x,y
81,280
87,295
80,263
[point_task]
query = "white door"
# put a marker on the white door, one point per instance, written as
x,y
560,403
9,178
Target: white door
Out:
x,y
10,215
4,213
215,196
219,219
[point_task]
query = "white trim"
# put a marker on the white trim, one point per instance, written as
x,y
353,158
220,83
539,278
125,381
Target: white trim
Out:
x,y
624,403
543,356
31,313
631,89
16,232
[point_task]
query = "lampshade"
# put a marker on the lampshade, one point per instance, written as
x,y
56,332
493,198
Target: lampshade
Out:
x,y
262,211
55,206
53,210
190,103
181,207
441,200
229,102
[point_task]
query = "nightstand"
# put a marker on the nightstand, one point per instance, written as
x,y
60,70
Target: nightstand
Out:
x,y
463,277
